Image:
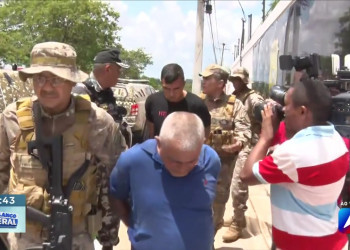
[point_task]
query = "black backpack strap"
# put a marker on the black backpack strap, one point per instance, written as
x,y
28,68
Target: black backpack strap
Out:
x,y
247,95
76,177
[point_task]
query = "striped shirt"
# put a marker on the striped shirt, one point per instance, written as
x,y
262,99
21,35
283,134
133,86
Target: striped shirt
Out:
x,y
307,173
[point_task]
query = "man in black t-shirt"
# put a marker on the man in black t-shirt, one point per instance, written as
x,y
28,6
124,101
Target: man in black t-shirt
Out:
x,y
173,98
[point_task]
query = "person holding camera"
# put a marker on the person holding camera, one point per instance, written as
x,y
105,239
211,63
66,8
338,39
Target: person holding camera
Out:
x,y
229,132
239,191
306,172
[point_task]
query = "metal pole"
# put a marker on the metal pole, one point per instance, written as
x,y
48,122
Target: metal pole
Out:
x,y
263,10
198,56
222,53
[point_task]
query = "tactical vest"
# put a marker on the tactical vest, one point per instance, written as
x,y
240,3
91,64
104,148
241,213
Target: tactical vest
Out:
x,y
29,177
222,126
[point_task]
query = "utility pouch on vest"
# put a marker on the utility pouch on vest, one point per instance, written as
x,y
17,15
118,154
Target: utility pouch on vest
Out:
x,y
94,223
217,139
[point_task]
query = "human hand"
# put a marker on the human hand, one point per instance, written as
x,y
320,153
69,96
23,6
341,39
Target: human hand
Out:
x,y
232,148
269,123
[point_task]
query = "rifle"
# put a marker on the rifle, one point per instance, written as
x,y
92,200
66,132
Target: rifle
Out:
x,y
49,152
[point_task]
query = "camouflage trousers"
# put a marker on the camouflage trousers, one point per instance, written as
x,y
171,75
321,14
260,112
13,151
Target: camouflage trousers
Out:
x,y
223,190
239,190
19,241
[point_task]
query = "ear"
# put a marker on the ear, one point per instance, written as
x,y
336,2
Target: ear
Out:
x,y
222,83
157,139
158,143
303,110
107,67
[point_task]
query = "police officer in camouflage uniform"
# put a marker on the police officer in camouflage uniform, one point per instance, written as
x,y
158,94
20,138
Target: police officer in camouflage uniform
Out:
x,y
229,133
105,74
250,99
89,135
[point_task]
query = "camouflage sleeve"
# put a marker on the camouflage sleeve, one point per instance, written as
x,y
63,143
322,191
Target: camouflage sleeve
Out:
x,y
108,234
108,145
5,163
242,130
9,131
254,100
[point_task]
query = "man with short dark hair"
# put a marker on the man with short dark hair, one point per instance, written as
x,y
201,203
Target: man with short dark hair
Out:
x,y
307,172
173,98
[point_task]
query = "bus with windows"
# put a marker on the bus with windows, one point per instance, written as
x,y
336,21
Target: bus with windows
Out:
x,y
298,28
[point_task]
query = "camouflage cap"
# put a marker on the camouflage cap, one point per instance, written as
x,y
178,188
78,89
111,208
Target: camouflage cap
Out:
x,y
211,69
56,58
241,73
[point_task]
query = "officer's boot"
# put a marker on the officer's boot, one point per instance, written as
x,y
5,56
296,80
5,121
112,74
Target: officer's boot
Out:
x,y
234,232
228,222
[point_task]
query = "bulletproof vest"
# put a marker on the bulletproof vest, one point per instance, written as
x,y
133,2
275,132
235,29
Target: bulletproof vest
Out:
x,y
104,96
104,99
222,126
29,177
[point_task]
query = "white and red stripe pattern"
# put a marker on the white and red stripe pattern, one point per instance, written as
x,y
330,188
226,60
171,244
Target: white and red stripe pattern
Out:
x,y
308,173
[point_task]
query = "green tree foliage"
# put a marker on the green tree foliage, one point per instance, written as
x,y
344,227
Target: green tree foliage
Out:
x,y
188,85
88,25
155,83
137,60
273,4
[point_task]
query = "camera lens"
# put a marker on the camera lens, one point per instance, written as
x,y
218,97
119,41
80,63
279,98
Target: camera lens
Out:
x,y
277,109
277,93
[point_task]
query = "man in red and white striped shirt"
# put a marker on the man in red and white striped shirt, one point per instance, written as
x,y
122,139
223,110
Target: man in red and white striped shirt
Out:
x,y
307,172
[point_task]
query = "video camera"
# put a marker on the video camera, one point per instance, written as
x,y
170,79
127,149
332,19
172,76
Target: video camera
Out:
x,y
277,93
310,63
340,115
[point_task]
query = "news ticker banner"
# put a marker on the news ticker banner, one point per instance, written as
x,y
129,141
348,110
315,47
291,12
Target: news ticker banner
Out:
x,y
12,213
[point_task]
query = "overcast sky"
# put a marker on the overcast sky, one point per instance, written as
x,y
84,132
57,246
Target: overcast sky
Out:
x,y
167,29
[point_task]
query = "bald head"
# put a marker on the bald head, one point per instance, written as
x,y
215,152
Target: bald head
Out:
x,y
183,128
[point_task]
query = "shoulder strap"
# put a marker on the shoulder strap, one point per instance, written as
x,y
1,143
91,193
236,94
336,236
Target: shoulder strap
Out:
x,y
231,99
202,95
24,113
247,95
82,114
82,103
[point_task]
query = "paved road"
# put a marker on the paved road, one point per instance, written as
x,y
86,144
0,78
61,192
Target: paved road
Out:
x,y
257,235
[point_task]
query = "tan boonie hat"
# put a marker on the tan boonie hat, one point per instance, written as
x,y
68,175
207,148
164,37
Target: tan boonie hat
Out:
x,y
211,69
240,73
56,58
